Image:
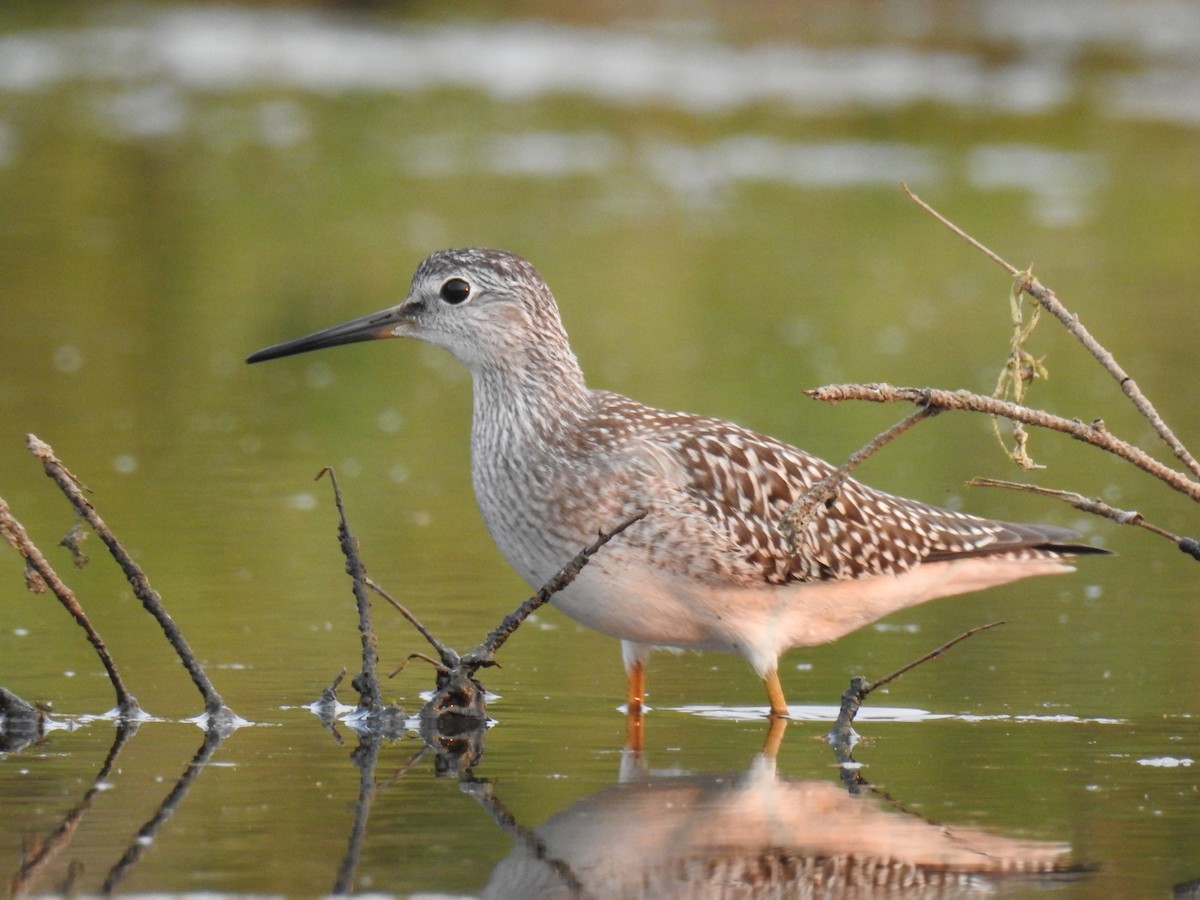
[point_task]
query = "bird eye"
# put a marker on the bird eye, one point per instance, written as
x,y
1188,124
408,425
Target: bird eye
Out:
x,y
455,291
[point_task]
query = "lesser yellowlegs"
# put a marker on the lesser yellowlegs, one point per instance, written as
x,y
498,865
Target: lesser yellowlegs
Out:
x,y
553,461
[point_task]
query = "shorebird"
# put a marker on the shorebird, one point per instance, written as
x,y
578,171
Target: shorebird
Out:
x,y
709,568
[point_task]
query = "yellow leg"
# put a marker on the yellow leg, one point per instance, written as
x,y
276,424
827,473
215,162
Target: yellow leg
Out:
x,y
636,689
779,705
634,696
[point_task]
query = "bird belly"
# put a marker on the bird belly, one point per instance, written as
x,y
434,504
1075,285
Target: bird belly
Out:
x,y
760,622
660,608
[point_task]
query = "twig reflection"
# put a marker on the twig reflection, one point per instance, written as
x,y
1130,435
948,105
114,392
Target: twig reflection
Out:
x,y
34,863
213,736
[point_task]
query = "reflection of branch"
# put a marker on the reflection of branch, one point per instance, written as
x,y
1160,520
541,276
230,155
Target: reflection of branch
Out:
x,y
364,757
482,792
213,737
1094,433
1051,303
32,865
69,485
46,577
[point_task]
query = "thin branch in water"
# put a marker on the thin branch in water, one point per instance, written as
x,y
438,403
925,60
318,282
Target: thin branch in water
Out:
x,y
1070,320
484,653
796,517
1094,433
423,657
448,656
842,734
458,695
14,532
932,654
1096,507
70,486
366,682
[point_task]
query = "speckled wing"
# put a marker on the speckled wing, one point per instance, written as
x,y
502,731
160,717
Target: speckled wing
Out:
x,y
742,483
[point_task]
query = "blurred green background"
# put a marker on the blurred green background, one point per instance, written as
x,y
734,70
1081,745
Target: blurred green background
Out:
x,y
712,191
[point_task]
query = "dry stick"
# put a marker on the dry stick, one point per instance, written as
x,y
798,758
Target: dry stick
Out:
x,y
447,655
14,532
796,517
1096,507
859,687
1093,433
482,655
69,485
1050,302
366,682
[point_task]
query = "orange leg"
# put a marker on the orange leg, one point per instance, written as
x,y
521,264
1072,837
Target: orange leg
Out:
x,y
779,705
634,697
636,689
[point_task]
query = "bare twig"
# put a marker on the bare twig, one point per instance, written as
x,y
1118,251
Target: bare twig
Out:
x,y
14,532
796,517
1094,433
448,656
484,653
458,694
1051,303
70,486
1096,507
932,654
366,682
842,735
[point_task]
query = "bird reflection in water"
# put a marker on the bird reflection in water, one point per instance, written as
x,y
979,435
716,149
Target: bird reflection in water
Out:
x,y
755,833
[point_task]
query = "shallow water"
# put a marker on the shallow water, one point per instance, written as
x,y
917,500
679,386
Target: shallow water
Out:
x,y
715,203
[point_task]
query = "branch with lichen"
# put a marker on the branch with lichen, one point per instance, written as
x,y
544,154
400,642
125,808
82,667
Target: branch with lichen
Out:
x,y
1094,433
1027,284
1019,370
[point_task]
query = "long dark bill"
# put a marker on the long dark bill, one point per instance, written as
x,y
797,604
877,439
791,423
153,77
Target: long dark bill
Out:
x,y
383,324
